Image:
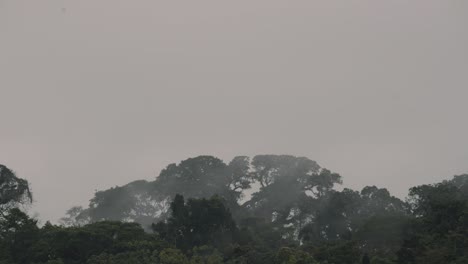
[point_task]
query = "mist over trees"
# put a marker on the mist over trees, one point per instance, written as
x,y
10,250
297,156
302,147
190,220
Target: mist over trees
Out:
x,y
13,190
284,182
265,209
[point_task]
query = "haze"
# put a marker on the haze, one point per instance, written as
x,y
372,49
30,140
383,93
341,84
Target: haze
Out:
x,y
99,93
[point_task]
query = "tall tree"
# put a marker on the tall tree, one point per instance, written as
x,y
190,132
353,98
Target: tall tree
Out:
x,y
198,222
13,190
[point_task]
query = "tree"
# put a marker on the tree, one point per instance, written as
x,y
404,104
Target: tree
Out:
x,y
143,202
206,255
439,232
239,176
18,233
270,168
17,230
198,222
76,216
365,259
288,255
321,183
199,177
287,182
172,256
132,257
333,218
13,190
289,189
133,202
337,252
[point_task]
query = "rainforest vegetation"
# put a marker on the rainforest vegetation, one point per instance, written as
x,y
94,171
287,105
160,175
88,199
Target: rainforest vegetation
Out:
x,y
271,209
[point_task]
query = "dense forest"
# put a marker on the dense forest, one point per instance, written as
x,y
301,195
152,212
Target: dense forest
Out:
x,y
266,209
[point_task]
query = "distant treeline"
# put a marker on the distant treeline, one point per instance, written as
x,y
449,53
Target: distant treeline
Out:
x,y
268,209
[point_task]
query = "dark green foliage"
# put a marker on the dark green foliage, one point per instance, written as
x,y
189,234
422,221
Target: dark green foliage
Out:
x,y
250,255
372,217
439,231
206,255
94,243
132,257
296,217
337,252
198,222
261,233
287,255
17,232
365,259
196,177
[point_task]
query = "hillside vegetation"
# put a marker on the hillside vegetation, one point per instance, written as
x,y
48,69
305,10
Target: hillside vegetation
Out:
x,y
266,209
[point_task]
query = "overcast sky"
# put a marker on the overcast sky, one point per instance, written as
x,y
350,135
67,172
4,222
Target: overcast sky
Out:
x,y
97,93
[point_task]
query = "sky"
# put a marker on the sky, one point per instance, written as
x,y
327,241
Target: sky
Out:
x,y
98,93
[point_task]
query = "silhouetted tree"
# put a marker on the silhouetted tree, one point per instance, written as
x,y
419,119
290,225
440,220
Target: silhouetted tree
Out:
x,y
198,222
13,190
365,259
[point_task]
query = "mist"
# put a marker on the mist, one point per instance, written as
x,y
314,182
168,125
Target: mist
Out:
x,y
259,132
96,94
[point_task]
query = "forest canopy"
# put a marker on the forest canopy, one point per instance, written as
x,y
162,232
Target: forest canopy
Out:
x,y
265,209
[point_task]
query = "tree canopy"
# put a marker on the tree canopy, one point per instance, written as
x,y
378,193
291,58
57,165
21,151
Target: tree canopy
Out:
x,y
13,190
199,211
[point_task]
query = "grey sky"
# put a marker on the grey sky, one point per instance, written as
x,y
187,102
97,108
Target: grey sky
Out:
x,y
97,93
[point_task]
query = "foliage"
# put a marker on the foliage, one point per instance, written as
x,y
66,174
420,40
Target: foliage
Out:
x,y
13,190
198,222
287,255
198,217
439,231
205,176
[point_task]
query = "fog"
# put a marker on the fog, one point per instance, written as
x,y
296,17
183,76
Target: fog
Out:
x,y
95,94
